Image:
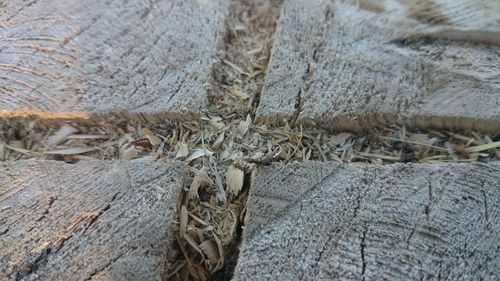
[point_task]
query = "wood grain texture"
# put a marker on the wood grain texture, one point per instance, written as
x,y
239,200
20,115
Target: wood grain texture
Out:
x,y
360,63
325,221
92,220
102,56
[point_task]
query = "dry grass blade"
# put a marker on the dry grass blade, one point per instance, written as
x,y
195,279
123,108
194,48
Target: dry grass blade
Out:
x,y
483,147
20,150
379,156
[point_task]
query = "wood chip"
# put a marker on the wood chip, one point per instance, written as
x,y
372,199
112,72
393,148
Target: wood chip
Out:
x,y
218,142
193,243
242,128
183,151
193,187
209,248
183,220
3,151
221,261
216,122
239,94
234,180
339,139
142,143
198,153
235,67
71,150
419,138
60,135
87,136
154,140
221,193
130,153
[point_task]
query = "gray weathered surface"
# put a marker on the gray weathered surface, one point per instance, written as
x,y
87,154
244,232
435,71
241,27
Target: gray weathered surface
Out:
x,y
324,221
101,56
96,219
432,63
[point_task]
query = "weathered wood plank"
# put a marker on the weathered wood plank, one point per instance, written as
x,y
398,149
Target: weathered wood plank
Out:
x,y
325,221
359,63
108,56
90,220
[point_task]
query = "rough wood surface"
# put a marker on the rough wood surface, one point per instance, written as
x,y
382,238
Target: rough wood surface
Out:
x,y
325,221
359,63
92,220
101,56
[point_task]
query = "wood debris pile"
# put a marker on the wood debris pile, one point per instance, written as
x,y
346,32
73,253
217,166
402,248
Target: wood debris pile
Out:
x,y
398,145
72,141
213,207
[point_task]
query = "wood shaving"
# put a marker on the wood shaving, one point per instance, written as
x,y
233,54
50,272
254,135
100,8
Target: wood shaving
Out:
x,y
71,150
60,135
198,153
87,136
243,127
183,221
129,153
209,248
3,151
154,140
234,180
183,150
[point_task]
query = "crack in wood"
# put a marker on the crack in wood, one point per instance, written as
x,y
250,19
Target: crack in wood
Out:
x,y
52,199
362,246
30,266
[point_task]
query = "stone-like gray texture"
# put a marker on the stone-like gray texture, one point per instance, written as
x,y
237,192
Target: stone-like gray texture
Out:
x,y
94,220
355,64
326,221
108,56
